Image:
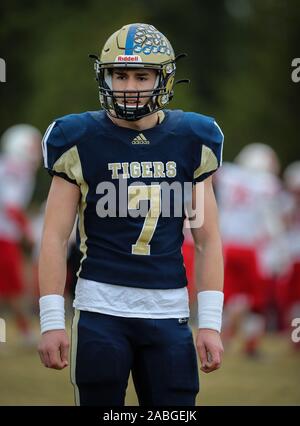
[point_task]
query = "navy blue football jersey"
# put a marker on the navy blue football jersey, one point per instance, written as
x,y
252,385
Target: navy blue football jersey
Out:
x,y
125,235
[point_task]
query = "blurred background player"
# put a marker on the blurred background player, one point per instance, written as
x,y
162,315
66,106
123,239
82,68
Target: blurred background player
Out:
x,y
288,286
19,161
246,192
188,253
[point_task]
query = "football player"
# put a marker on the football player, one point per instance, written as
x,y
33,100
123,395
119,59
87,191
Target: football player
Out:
x,y
288,287
247,190
123,169
21,156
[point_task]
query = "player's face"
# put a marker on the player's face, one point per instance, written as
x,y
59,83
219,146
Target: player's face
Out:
x,y
131,81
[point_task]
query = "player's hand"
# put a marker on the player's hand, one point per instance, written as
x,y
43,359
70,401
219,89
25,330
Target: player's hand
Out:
x,y
54,349
210,349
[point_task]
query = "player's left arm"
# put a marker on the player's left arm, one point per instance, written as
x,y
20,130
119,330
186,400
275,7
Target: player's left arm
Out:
x,y
209,281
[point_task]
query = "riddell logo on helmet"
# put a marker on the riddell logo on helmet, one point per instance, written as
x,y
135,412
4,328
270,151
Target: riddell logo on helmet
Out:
x,y
128,58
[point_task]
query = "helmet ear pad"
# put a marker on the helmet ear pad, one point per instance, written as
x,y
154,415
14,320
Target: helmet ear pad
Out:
x,y
167,83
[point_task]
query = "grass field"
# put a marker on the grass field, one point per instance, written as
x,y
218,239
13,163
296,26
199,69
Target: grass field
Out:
x,y
273,379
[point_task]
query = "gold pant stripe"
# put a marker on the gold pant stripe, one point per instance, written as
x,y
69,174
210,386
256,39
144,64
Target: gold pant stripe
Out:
x,y
74,338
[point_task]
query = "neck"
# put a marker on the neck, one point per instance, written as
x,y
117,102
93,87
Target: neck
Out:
x,y
142,124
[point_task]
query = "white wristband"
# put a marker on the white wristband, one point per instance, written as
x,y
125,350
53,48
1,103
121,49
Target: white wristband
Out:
x,y
210,307
52,312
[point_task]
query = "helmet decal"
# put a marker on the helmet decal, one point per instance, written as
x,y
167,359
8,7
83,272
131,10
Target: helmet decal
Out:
x,y
149,37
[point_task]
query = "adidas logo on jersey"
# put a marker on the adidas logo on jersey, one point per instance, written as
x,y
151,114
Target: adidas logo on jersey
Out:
x,y
140,139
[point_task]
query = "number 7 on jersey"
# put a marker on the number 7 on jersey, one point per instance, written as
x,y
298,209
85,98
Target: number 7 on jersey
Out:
x,y
137,193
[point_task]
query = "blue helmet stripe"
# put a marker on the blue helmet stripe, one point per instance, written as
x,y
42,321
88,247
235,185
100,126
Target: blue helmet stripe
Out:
x,y
130,40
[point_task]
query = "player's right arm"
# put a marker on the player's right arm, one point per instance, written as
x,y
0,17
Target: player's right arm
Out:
x,y
61,159
60,216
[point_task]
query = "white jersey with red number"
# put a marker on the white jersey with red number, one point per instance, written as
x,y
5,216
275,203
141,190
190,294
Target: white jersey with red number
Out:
x,y
246,200
16,188
251,215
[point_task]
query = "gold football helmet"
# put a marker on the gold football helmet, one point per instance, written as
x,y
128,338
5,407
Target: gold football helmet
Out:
x,y
136,46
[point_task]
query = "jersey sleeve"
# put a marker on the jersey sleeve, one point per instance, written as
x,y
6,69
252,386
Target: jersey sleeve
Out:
x,y
60,154
208,147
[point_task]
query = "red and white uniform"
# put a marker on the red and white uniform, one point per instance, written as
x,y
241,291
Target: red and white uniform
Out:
x,y
288,286
188,252
17,182
248,223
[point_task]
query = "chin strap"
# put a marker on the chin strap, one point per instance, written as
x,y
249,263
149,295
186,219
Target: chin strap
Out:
x,y
184,80
92,56
180,56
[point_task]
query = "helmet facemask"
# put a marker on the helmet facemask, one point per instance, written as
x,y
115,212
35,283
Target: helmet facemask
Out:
x,y
118,103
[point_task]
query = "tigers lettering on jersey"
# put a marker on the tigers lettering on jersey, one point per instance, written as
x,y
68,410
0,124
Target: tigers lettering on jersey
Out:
x,y
144,169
